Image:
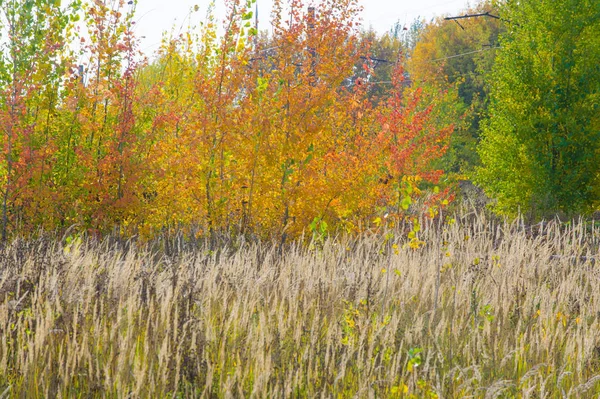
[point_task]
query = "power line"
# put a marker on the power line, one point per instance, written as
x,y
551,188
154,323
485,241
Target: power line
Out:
x,y
460,55
362,57
484,14
486,47
458,23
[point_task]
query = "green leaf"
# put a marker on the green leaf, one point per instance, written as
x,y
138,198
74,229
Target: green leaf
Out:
x,y
405,204
262,84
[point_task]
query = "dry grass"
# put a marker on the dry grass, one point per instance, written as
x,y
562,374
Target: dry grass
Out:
x,y
517,317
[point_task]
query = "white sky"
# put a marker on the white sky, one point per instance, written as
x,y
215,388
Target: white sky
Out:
x,y
155,16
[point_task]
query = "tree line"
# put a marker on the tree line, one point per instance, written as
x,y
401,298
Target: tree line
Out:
x,y
318,124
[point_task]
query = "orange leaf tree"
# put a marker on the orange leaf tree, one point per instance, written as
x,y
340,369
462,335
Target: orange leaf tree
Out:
x,y
238,132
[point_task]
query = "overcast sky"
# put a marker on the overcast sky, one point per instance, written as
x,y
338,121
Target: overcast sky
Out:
x,y
156,16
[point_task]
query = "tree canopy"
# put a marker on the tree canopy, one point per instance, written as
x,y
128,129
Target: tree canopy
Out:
x,y
541,139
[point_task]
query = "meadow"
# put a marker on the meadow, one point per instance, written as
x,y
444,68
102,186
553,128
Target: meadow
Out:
x,y
481,308
277,214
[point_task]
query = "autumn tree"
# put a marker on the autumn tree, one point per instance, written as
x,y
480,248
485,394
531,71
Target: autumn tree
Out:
x,y
34,49
103,142
226,132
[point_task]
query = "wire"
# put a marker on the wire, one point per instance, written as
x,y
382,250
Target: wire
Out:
x,y
458,23
484,14
468,53
362,57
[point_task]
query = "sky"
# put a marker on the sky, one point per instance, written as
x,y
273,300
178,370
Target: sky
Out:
x,y
155,16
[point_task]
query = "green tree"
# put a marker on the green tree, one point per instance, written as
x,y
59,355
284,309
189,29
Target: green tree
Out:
x,y
541,141
457,56
376,66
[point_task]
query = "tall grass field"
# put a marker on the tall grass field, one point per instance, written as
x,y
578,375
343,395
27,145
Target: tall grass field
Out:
x,y
481,309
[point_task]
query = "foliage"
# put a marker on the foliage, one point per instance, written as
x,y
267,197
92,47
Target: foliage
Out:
x,y
378,66
33,60
457,57
235,132
541,141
